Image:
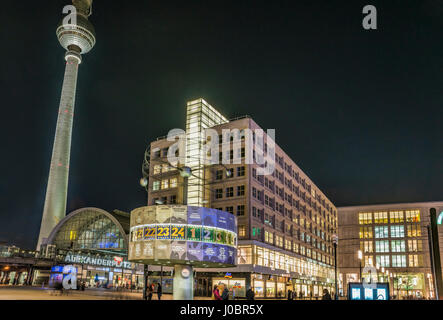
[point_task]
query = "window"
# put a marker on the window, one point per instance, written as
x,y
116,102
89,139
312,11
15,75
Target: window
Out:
x,y
173,182
412,215
288,244
398,246
381,232
242,231
396,217
218,193
365,232
269,237
368,261
397,231
382,261
256,232
156,185
218,174
380,217
240,171
230,209
365,218
240,190
399,261
173,199
382,246
229,192
415,245
157,169
241,210
414,230
165,184
415,260
230,173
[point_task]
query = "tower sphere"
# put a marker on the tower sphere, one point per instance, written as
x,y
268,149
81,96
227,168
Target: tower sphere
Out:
x,y
81,35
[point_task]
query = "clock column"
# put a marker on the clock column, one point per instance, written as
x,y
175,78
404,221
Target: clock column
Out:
x,y
183,288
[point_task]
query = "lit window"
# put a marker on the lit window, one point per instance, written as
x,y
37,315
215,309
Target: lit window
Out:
x,y
399,261
156,185
381,232
382,261
165,184
380,217
412,215
398,246
382,246
396,217
157,169
173,182
365,218
397,231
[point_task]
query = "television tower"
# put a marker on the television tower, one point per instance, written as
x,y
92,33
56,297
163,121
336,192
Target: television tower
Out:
x,y
77,36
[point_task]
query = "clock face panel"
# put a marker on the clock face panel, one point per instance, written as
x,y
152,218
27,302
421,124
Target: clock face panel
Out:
x,y
185,273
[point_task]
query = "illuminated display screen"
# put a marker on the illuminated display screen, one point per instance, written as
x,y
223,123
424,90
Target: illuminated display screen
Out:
x,y
178,232
375,291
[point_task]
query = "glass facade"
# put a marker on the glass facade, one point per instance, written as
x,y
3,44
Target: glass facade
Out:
x,y
90,230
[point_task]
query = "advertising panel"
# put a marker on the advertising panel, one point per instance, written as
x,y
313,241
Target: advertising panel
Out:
x,y
209,217
148,250
194,251
149,215
210,252
179,214
222,219
163,214
162,249
194,215
231,224
178,250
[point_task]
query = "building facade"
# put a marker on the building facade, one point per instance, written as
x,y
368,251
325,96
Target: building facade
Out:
x,y
392,237
285,222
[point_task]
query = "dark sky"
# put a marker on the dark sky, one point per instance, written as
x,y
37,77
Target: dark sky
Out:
x,y
359,111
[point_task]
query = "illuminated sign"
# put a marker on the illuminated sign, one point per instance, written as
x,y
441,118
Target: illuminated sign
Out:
x,y
228,275
76,258
375,291
440,218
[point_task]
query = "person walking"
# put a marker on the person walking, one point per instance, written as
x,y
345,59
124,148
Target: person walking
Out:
x,y
216,293
290,297
326,295
159,290
250,294
225,294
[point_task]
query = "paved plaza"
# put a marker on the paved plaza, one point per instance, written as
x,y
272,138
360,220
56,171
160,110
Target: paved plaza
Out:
x,y
39,293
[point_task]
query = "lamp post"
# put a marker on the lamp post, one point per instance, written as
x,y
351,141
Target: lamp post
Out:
x,y
360,257
335,242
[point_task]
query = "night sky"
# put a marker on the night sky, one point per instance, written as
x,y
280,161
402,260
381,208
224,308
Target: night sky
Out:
x,y
359,111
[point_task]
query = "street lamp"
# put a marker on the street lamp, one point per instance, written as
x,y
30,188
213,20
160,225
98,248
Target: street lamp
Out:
x,y
360,257
335,242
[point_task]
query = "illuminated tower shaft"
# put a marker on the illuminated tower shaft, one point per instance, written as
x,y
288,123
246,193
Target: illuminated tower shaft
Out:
x,y
56,191
76,34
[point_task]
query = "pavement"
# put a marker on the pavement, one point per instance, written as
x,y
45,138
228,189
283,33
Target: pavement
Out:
x,y
39,293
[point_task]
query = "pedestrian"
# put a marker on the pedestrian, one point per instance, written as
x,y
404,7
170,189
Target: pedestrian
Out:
x,y
225,294
326,295
250,294
159,290
290,297
150,291
216,293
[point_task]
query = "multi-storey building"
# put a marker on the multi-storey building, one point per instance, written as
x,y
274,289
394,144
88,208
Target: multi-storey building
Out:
x,y
392,237
285,223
